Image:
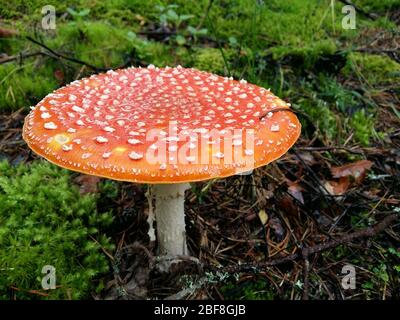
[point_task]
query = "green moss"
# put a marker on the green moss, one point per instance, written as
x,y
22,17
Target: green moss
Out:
x,y
375,69
44,221
322,117
24,85
337,112
258,23
331,126
378,6
209,59
104,45
248,290
99,43
29,8
306,56
363,125
160,54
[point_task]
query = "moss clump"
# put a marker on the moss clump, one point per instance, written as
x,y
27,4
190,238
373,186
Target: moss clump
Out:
x,y
209,59
363,125
28,8
248,290
98,43
45,221
24,85
304,57
322,117
379,6
328,121
337,112
374,68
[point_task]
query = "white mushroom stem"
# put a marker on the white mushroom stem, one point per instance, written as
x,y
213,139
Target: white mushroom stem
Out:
x,y
170,217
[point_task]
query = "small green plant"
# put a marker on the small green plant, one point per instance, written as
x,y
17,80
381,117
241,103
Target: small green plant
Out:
x,y
78,14
344,100
381,272
386,271
361,220
395,254
170,19
195,32
45,221
169,15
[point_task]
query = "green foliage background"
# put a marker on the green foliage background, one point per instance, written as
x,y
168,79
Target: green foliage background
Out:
x,y
44,221
295,47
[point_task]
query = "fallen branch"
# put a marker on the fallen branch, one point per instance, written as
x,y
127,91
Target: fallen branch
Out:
x,y
20,56
214,275
54,54
61,56
307,251
350,150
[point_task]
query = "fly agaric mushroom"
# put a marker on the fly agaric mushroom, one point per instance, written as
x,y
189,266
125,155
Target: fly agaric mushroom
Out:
x,y
161,126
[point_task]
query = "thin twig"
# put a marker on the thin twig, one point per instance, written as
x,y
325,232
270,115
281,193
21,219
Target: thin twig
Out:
x,y
61,56
306,272
377,50
204,17
304,254
20,56
329,149
307,251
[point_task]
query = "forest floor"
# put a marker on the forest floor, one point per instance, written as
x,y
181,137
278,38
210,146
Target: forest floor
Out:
x,y
290,230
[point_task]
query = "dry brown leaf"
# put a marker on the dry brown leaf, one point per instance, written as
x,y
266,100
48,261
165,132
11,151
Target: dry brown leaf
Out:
x,y
393,201
276,225
337,188
7,33
357,170
308,158
88,184
287,205
296,191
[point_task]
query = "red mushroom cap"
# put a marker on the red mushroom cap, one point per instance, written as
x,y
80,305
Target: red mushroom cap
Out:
x,y
160,125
